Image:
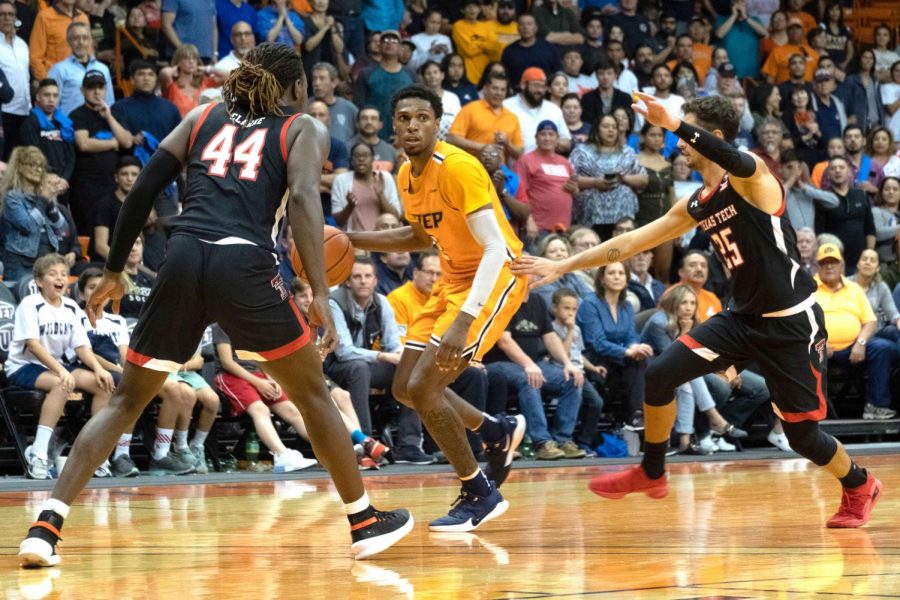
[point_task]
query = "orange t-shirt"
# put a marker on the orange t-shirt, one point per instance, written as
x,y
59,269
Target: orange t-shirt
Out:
x,y
184,101
776,66
477,121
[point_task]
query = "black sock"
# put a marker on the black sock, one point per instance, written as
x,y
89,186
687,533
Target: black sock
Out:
x,y
654,461
51,518
478,485
361,516
490,429
855,478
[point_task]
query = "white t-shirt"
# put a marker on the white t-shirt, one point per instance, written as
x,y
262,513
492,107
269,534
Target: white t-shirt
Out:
x,y
582,84
111,326
530,117
627,81
890,93
59,330
451,106
425,49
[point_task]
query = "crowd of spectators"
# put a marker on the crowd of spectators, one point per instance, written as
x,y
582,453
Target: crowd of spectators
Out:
x,y
540,91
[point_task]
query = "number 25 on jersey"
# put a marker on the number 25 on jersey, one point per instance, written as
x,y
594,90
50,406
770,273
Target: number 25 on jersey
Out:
x,y
220,152
728,249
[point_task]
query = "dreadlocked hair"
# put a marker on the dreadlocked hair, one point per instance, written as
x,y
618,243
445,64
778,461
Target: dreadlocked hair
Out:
x,y
260,80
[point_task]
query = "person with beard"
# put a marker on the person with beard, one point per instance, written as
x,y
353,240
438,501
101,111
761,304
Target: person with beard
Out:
x,y
662,43
796,79
48,128
643,65
504,26
868,173
532,109
98,139
529,51
684,53
662,90
606,98
487,121
368,124
242,42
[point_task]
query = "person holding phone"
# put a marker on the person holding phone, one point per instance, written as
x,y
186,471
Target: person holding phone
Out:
x,y
607,173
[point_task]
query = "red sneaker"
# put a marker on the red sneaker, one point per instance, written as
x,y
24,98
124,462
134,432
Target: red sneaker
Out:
x,y
617,485
374,449
857,504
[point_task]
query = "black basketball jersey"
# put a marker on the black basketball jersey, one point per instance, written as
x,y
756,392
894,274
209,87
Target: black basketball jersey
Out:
x,y
759,249
236,178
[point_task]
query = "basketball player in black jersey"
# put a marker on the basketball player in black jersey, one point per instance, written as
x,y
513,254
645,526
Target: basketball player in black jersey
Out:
x,y
242,156
773,320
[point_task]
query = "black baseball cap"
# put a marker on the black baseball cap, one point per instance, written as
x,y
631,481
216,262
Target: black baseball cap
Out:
x,y
93,78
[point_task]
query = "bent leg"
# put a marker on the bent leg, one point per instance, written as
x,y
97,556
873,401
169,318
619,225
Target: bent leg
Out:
x,y
300,376
262,422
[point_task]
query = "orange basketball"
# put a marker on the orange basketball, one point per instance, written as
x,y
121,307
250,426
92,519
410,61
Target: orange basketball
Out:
x,y
338,257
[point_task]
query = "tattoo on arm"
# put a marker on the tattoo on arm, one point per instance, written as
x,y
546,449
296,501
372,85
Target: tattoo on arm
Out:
x,y
612,255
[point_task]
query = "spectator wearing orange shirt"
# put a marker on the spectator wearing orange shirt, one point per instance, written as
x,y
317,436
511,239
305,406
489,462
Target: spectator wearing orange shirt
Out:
x,y
487,121
685,51
48,44
693,272
776,66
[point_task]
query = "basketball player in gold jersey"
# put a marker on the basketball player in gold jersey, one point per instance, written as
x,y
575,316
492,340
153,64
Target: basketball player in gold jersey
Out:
x,y
450,203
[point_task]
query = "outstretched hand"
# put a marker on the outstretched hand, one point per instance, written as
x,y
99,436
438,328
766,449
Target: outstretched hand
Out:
x,y
654,111
548,271
111,287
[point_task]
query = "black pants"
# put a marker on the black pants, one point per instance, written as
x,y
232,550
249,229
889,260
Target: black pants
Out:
x,y
358,377
11,139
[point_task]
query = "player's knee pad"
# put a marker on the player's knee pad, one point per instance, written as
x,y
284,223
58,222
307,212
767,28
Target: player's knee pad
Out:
x,y
809,441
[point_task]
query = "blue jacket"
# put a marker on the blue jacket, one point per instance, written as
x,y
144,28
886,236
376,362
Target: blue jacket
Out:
x,y
21,222
606,340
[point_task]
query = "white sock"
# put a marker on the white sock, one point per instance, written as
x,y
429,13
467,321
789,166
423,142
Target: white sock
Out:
x,y
162,443
181,439
123,445
42,441
57,506
199,438
357,506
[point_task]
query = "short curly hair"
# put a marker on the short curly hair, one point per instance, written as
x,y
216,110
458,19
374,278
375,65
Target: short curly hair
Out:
x,y
715,112
419,91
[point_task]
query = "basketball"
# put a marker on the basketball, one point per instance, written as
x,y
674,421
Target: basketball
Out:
x,y
338,257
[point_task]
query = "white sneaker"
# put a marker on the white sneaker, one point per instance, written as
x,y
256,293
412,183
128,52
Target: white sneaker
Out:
x,y
708,446
292,460
103,470
779,440
38,467
724,446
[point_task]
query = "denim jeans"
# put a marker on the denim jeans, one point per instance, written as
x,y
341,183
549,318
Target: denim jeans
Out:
x,y
737,406
879,354
691,397
531,405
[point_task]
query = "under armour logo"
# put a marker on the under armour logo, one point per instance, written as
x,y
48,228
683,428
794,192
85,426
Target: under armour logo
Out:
x,y
695,138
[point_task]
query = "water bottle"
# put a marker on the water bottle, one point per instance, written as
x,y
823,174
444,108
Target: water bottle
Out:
x,y
251,449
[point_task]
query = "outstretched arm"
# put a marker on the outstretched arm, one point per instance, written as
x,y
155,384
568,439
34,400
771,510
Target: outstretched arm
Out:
x,y
412,238
675,223
749,175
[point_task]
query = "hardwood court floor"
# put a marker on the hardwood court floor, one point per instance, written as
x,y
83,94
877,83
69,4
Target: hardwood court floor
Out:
x,y
751,529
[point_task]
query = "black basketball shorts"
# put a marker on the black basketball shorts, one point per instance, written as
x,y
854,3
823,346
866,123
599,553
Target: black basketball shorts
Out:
x,y
789,352
236,285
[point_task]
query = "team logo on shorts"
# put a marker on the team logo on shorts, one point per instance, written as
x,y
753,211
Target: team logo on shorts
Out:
x,y
278,284
820,348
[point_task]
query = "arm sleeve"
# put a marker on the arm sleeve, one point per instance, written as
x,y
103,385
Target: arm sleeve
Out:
x,y
739,164
160,171
486,231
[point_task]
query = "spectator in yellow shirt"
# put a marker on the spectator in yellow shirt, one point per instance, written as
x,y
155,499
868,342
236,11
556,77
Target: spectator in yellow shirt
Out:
x,y
474,40
851,325
505,27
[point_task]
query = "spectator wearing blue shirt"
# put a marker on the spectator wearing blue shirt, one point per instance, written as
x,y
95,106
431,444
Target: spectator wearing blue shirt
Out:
x,y
506,183
375,87
192,22
70,72
607,324
144,110
228,14
382,15
280,23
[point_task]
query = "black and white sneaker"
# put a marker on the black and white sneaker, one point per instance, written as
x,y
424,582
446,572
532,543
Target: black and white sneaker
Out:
x,y
500,453
379,531
411,455
38,549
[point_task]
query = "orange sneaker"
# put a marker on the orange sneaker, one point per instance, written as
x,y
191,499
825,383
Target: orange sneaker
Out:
x,y
857,504
617,485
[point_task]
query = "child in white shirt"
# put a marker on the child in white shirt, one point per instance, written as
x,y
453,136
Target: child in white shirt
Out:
x,y
48,336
